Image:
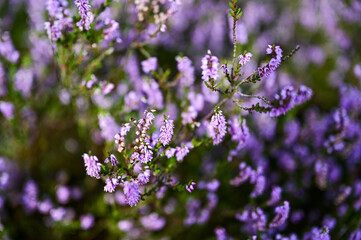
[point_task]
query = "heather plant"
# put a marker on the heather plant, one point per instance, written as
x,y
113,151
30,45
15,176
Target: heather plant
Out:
x,y
168,119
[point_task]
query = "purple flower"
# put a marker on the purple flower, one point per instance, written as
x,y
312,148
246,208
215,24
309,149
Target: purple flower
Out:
x,y
255,219
57,214
7,49
7,109
53,30
304,94
147,154
357,71
131,100
45,206
153,222
181,152
274,63
318,234
63,194
124,129
92,165
143,177
135,156
321,171
108,126
189,116
225,69
149,65
106,87
86,16
221,233
86,221
125,225
244,58
288,98
190,187
153,93
111,184
275,196
166,131
260,185
113,160
55,8
112,32
30,196
132,193
24,81
170,152
209,67
184,65
276,50
282,215
269,49
238,131
246,172
217,128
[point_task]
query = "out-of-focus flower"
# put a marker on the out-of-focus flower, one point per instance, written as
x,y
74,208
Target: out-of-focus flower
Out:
x,y
282,214
86,221
149,64
153,222
7,109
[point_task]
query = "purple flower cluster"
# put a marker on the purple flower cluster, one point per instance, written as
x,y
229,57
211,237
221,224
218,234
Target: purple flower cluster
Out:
x,y
184,65
61,19
179,152
132,193
143,177
92,165
282,215
87,17
217,128
108,126
190,187
274,63
30,196
255,177
111,184
113,160
210,65
244,58
166,131
7,109
255,219
86,221
288,98
7,49
149,65
153,222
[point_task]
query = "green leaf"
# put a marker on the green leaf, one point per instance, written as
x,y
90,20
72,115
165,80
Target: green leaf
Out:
x,y
205,82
